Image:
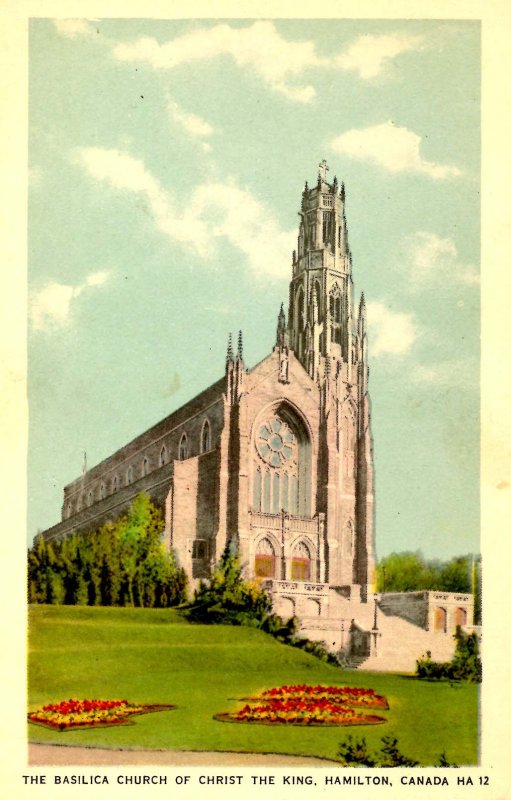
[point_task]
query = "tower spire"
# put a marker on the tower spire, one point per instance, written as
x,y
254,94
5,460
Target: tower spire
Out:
x,y
281,326
240,346
320,320
229,355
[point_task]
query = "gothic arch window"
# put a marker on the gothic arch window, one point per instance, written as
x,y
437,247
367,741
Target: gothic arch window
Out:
x,y
300,319
300,309
205,439
301,563
90,499
163,456
79,504
183,448
257,499
326,225
115,484
281,464
440,620
334,301
102,491
145,466
129,476
460,616
68,510
265,559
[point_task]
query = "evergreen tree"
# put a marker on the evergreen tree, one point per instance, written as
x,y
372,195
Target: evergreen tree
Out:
x,y
124,562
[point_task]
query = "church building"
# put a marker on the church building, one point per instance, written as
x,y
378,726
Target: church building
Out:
x,y
278,458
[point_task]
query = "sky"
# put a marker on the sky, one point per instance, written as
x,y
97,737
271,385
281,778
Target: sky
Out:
x,y
166,165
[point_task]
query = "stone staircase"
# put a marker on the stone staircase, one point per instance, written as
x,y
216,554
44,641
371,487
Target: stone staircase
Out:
x,y
399,643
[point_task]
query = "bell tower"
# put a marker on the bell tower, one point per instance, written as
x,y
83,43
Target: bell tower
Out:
x,y
320,293
329,339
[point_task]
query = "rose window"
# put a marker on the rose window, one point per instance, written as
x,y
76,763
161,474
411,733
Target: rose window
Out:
x,y
276,443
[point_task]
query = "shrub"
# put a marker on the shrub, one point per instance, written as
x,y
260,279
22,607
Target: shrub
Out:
x,y
227,598
465,665
123,563
391,757
354,753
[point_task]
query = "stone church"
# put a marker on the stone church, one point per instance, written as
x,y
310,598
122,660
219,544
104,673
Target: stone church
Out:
x,y
278,458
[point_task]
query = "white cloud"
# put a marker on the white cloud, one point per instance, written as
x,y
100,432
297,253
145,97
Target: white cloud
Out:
x,y
390,332
258,47
73,28
213,210
369,55
50,307
391,147
97,279
192,124
462,374
433,258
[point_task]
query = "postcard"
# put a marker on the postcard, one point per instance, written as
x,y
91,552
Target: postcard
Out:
x,y
266,391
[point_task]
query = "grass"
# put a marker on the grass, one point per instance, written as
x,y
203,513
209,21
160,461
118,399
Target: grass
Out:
x,y
154,656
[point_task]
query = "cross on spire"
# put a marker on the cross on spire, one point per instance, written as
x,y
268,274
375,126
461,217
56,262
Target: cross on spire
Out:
x,y
323,168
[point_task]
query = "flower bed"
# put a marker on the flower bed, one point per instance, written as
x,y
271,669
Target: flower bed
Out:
x,y
69,714
343,695
310,705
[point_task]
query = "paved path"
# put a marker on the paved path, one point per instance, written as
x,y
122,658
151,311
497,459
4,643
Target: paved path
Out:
x,y
69,755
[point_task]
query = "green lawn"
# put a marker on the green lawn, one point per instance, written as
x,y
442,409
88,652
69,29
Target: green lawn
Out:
x,y
154,656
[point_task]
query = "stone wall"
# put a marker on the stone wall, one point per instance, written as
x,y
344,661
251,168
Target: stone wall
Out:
x,y
148,452
433,611
157,485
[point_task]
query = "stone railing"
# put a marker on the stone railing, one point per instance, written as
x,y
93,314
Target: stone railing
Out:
x,y
285,522
295,587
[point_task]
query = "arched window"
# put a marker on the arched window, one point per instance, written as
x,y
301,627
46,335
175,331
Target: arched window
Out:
x,y
145,466
115,485
265,559
205,440
335,315
129,476
102,491
300,309
460,616
163,456
326,220
90,499
440,620
301,563
183,448
68,510
281,465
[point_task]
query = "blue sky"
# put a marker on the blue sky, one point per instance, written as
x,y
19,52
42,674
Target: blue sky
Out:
x,y
167,160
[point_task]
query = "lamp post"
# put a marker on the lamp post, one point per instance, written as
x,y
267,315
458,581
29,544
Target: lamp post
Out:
x,y
375,625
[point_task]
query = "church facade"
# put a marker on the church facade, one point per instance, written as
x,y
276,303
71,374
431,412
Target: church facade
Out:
x,y
278,458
